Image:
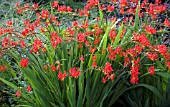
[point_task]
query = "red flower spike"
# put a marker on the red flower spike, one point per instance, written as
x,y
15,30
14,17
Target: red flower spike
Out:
x,y
74,72
24,62
152,56
18,93
62,76
108,69
151,70
134,74
29,88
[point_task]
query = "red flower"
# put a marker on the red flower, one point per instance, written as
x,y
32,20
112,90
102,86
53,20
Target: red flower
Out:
x,y
19,11
26,6
142,39
122,11
110,8
22,44
123,3
134,74
108,69
24,62
74,72
17,4
151,70
5,42
53,68
35,6
162,49
82,58
150,30
168,64
26,22
92,50
62,8
138,49
152,56
55,39
37,44
94,64
69,9
2,68
9,23
18,93
61,76
37,22
55,4
75,23
29,88
112,34
44,14
85,24
31,27
104,79
81,37
166,22
25,32
94,58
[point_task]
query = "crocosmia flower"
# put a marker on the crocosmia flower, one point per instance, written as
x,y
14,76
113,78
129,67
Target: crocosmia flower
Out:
x,y
74,72
61,76
151,70
18,93
24,62
29,88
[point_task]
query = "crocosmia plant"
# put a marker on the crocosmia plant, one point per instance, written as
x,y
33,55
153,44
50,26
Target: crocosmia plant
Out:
x,y
104,54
